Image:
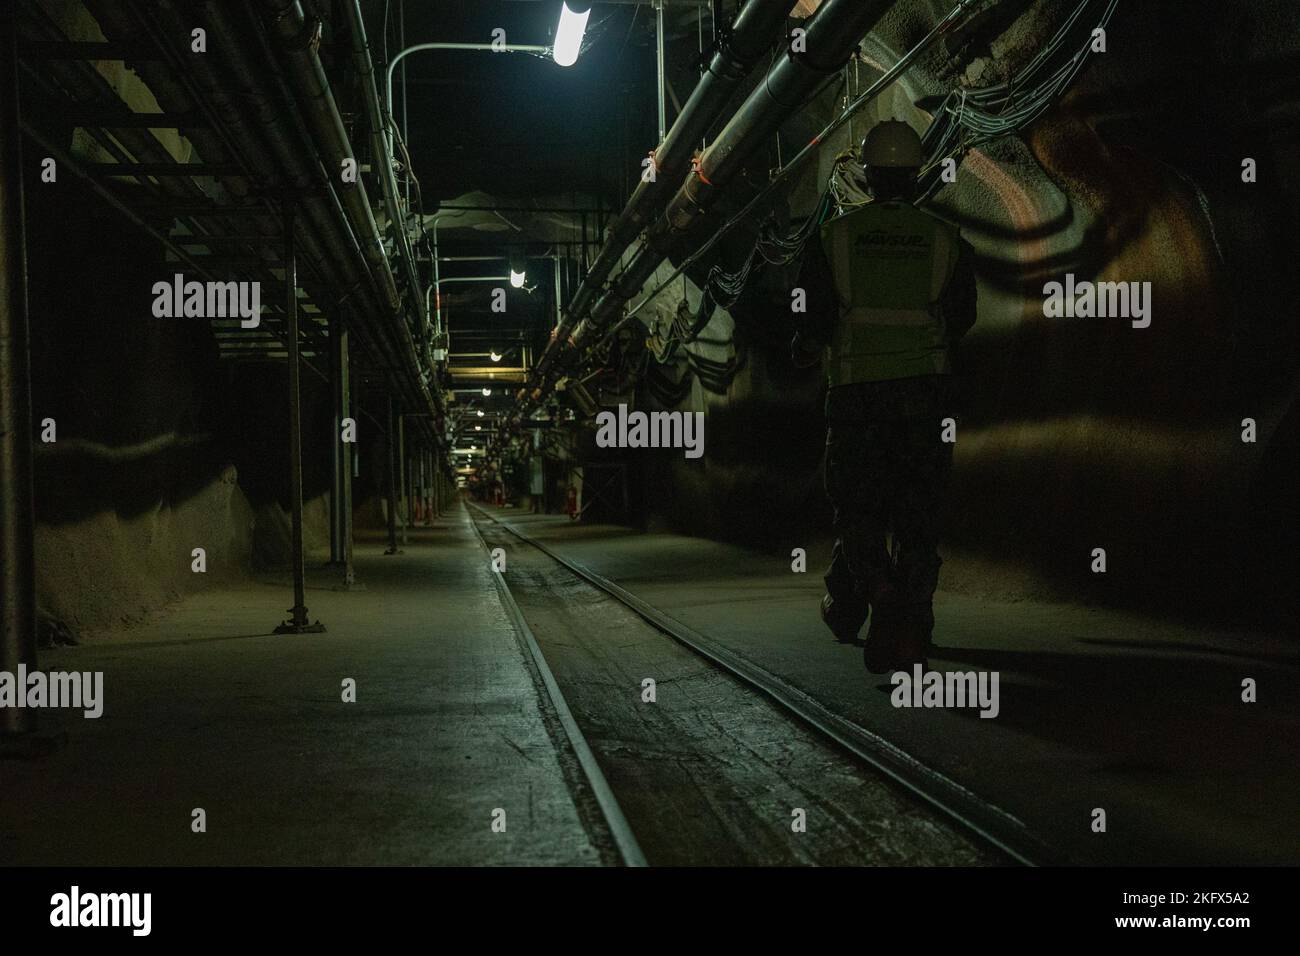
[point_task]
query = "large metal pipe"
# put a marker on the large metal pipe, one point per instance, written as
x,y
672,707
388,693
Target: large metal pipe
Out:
x,y
383,157
240,95
429,400
832,34
296,37
752,34
17,521
274,145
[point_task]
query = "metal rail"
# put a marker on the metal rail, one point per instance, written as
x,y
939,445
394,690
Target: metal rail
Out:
x,y
621,831
992,824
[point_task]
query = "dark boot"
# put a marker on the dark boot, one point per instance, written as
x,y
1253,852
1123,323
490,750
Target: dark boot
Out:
x,y
901,640
844,618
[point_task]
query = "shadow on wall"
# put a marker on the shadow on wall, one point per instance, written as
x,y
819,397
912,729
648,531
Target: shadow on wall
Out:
x,y
159,447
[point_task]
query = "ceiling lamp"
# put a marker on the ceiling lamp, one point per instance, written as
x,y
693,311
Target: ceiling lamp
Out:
x,y
518,270
568,35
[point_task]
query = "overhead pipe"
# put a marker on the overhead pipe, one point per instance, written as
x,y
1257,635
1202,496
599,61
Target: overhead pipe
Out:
x,y
341,221
751,37
277,153
833,32
796,162
229,134
255,121
369,292
424,47
383,156
297,39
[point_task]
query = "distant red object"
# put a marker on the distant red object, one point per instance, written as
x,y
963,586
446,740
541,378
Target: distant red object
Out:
x,y
571,505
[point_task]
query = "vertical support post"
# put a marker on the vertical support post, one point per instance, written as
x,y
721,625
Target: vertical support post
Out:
x,y
336,446
17,519
298,622
426,482
659,64
559,300
346,456
403,475
437,485
391,442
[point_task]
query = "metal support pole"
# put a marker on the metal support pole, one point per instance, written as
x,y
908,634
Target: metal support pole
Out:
x,y
298,623
403,475
437,487
391,441
559,296
422,463
347,458
336,446
659,64
17,520
417,482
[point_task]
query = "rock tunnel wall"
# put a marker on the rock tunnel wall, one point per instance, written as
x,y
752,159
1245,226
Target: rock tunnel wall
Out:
x,y
160,447
1085,432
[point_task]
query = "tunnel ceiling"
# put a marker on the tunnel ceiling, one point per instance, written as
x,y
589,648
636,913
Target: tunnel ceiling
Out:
x,y
514,152
517,125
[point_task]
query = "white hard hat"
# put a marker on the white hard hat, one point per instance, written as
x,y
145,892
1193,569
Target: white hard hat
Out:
x,y
892,143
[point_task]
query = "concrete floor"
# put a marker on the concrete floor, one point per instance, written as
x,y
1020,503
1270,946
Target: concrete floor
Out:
x,y
205,708
711,772
1099,709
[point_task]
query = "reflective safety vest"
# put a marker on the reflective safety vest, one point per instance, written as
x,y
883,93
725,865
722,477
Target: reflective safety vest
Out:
x,y
891,263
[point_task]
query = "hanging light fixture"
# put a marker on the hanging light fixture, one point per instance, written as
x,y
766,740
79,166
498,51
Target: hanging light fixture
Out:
x,y
518,269
569,33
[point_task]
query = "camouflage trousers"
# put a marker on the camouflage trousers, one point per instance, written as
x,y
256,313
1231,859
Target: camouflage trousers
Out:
x,y
886,472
